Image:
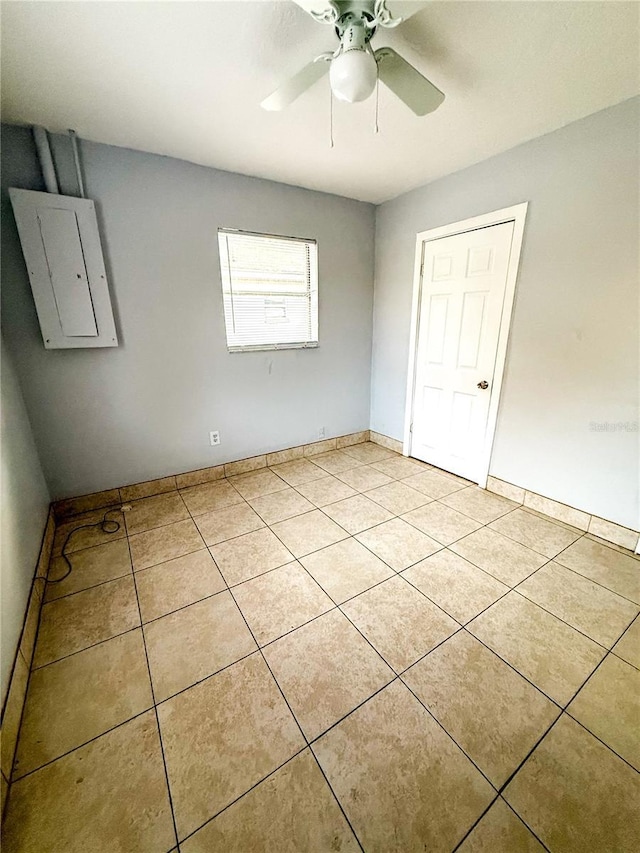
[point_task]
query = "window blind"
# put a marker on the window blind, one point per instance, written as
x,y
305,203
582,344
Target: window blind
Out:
x,y
269,289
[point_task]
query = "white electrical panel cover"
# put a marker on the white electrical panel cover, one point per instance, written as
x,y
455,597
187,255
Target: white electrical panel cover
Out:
x,y
62,251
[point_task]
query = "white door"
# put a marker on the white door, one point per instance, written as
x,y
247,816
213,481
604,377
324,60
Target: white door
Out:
x,y
464,280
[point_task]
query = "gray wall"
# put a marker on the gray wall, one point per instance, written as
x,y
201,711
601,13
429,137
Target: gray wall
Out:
x,y
103,418
24,504
573,351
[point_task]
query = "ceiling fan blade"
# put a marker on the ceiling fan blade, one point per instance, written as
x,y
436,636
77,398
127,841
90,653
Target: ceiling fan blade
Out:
x,y
405,8
407,83
296,85
321,10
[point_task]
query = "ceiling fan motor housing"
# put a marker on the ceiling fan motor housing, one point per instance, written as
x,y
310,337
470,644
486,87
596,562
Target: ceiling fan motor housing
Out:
x,y
354,71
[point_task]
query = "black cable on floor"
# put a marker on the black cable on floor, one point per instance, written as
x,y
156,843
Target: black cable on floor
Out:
x,y
107,525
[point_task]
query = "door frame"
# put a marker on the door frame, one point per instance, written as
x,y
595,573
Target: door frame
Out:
x,y
516,214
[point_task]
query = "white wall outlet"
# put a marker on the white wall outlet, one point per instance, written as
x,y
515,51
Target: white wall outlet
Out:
x,y
321,432
214,437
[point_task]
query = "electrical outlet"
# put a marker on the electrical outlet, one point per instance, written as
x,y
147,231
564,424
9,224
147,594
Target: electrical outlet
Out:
x,y
321,432
214,437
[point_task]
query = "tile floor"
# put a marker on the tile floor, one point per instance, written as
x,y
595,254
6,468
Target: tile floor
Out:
x,y
348,652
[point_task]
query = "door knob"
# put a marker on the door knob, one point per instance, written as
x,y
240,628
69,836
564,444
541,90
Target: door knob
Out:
x,y
483,385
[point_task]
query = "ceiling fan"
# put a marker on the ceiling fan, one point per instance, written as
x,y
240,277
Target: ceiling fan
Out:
x,y
354,67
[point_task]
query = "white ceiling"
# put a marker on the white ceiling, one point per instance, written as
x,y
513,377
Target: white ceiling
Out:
x,y
186,79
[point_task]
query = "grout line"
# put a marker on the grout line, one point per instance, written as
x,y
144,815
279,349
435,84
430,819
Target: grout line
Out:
x,y
244,794
85,588
287,703
171,559
603,742
591,580
266,662
83,744
79,651
564,621
522,820
338,606
155,707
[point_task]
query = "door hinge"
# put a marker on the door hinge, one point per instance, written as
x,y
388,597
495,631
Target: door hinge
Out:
x,y
411,428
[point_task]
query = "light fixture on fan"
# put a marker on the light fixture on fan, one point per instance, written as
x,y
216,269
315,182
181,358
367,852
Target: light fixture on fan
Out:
x,y
353,75
354,67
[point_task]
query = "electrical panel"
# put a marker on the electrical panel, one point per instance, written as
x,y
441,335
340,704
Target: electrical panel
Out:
x,y
62,251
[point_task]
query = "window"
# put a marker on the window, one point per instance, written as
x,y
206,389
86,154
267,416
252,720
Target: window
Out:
x,y
269,289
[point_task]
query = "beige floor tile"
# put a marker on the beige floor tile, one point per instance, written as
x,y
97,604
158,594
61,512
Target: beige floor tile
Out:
x,y
280,601
156,511
164,543
612,532
364,478
609,706
433,484
352,438
12,712
399,544
309,532
357,513
192,643
177,583
613,545
628,646
487,708
503,558
457,586
249,555
402,782
399,467
545,537
80,620
441,523
210,496
399,622
555,657
335,461
245,466
605,566
346,569
86,537
479,504
554,509
594,794
148,488
450,476
76,699
223,736
500,831
223,524
89,567
293,811
289,454
326,669
108,795
328,490
398,497
200,476
258,483
281,505
597,612
298,472
368,452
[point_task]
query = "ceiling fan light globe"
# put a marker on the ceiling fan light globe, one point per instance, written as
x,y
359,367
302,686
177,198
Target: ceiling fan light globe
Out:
x,y
353,75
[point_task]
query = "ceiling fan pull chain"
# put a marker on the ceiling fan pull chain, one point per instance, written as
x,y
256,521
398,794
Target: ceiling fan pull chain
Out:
x,y
330,117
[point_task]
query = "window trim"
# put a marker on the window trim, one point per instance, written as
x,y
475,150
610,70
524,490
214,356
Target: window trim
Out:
x,y
314,263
